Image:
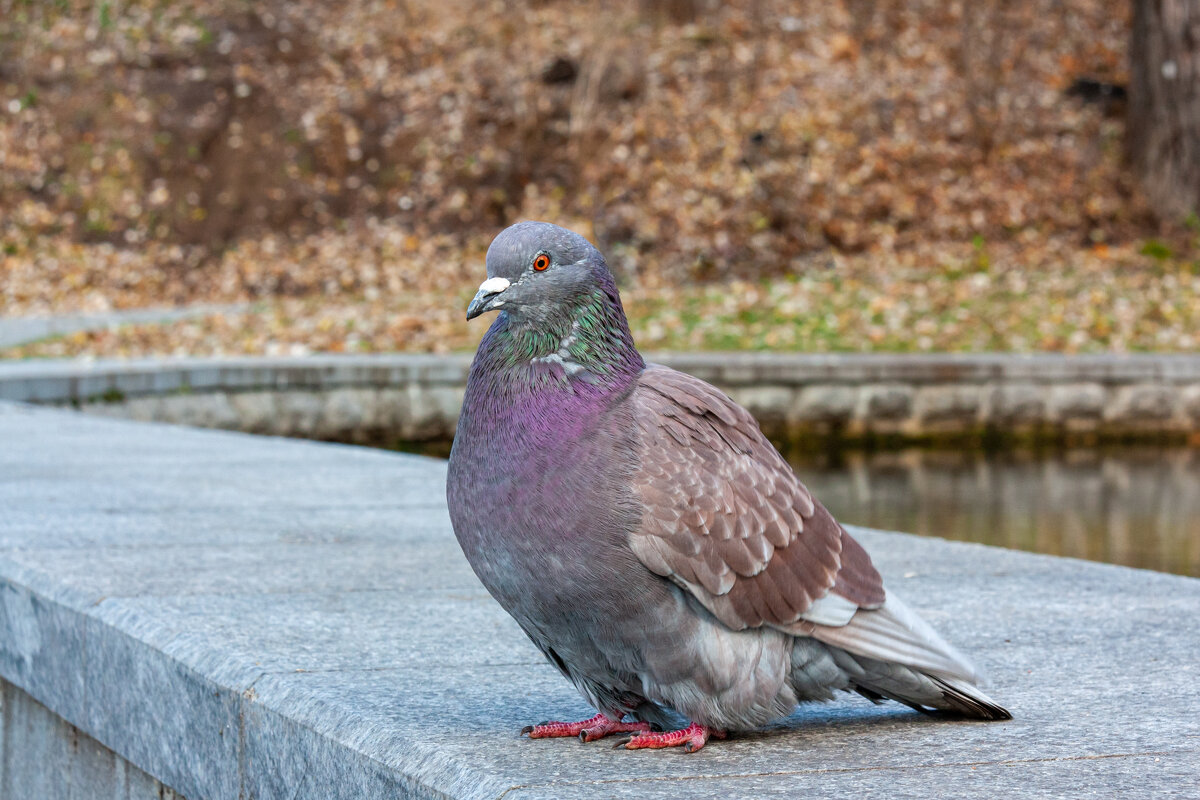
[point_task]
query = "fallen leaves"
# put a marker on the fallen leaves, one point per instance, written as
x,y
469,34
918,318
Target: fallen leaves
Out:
x,y
978,298
346,165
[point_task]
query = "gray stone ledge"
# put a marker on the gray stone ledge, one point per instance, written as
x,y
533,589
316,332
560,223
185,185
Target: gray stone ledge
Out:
x,y
18,330
44,758
374,398
251,617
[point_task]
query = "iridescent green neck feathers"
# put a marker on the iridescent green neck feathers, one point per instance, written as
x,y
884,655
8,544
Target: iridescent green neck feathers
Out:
x,y
590,343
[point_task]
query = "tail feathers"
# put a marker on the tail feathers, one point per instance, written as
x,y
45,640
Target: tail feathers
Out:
x,y
893,653
895,633
969,701
877,680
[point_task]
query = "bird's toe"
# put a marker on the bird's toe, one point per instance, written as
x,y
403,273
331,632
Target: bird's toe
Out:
x,y
691,738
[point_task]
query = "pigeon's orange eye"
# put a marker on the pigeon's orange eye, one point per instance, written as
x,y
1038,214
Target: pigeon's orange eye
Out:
x,y
541,262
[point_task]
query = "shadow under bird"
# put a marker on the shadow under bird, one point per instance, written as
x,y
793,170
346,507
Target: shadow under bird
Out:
x,y
649,539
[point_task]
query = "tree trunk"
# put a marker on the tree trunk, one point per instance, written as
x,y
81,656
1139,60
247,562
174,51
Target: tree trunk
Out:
x,y
1164,104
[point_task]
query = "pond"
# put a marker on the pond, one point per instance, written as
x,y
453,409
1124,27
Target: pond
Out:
x,y
1138,506
1132,505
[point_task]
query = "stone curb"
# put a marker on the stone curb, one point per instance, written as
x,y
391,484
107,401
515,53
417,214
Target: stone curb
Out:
x,y
19,330
416,397
252,617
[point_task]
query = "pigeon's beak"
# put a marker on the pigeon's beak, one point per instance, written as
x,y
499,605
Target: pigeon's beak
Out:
x,y
485,298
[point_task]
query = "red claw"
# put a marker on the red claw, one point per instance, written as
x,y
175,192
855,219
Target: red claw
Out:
x,y
693,737
587,730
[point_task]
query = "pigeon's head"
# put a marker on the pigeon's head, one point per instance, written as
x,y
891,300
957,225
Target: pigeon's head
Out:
x,y
540,273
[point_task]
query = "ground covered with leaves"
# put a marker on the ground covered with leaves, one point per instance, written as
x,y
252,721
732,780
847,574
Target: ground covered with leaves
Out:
x,y
864,175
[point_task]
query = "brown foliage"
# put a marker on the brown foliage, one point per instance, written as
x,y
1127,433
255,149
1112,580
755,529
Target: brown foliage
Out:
x,y
692,139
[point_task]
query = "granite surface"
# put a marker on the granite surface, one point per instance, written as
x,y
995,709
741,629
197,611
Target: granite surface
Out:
x,y
249,617
42,757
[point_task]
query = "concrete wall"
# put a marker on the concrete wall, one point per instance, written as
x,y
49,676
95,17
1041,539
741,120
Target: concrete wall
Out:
x,y
380,399
42,757
254,618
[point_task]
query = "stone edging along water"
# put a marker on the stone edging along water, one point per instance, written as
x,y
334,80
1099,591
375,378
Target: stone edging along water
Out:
x,y
415,397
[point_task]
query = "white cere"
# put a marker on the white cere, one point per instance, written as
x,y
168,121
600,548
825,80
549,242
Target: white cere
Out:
x,y
497,284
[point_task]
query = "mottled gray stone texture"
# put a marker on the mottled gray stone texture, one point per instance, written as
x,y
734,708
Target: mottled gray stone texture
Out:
x,y
249,617
383,399
44,758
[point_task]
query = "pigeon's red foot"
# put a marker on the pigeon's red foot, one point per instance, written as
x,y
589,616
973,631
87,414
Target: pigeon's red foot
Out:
x,y
693,737
588,730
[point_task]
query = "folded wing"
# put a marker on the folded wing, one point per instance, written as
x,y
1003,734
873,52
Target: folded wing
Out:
x,y
727,518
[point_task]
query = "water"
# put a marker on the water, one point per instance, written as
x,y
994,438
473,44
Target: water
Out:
x,y
1138,506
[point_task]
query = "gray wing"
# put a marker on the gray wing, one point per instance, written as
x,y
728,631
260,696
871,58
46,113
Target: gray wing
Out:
x,y
726,518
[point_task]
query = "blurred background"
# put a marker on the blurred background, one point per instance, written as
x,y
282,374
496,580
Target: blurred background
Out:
x,y
876,175
863,175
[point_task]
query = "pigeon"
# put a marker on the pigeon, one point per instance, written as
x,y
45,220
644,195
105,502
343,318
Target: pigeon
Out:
x,y
649,539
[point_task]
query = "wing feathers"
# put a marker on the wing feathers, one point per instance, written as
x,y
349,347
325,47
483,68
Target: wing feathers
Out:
x,y
737,555
726,516
726,519
858,579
